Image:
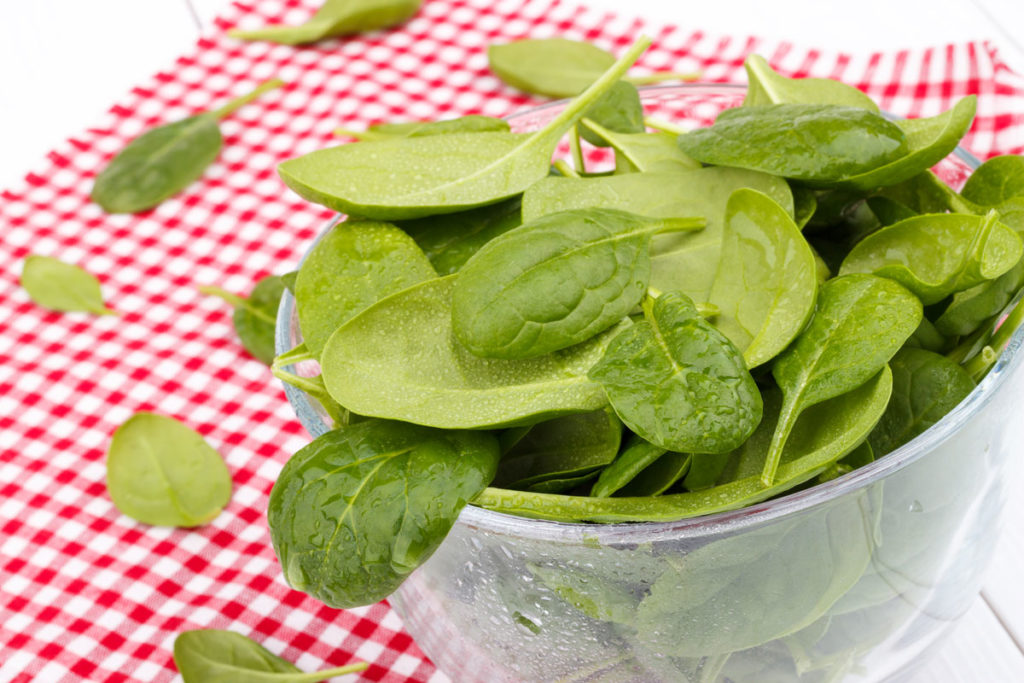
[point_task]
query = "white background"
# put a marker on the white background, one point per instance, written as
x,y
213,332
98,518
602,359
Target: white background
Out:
x,y
64,62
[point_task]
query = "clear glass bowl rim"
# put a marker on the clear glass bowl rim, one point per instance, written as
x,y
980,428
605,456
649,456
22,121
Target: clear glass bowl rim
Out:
x,y
733,520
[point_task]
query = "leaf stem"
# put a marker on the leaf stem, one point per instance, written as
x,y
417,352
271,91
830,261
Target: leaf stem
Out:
x,y
360,135
577,150
297,355
563,167
681,224
236,301
316,676
239,102
787,418
980,364
663,76
663,126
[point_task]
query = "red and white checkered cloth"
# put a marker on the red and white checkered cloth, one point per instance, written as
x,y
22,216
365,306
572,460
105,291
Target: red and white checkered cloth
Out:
x,y
88,594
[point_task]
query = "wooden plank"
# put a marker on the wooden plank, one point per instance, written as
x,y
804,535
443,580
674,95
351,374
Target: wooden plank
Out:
x,y
979,649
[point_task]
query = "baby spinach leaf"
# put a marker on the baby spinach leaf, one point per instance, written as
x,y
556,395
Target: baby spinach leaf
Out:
x,y
474,123
937,255
161,472
678,382
929,141
163,161
766,86
889,211
815,143
805,203
971,308
823,434
357,510
636,456
556,281
413,177
766,280
554,67
63,287
659,476
399,359
215,656
995,181
684,262
354,265
449,239
288,280
566,447
336,18
641,151
254,316
859,323
926,337
925,387
706,469
618,110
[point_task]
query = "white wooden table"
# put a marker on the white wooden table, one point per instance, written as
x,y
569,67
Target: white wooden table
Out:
x,y
65,61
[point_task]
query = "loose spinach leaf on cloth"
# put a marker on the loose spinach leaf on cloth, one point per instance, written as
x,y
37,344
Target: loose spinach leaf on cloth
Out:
x,y
215,656
255,316
678,382
399,359
354,265
937,255
62,287
356,511
859,323
413,177
163,473
555,281
554,67
766,86
164,160
336,18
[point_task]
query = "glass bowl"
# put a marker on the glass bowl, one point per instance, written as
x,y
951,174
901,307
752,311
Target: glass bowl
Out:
x,y
855,579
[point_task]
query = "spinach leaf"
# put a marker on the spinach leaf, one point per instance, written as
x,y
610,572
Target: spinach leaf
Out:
x,y
859,323
288,280
766,86
161,472
929,141
684,262
889,211
926,337
995,181
554,67
63,287
414,129
254,316
357,510
823,434
805,204
413,177
644,152
658,476
215,656
971,308
814,143
925,387
618,110
564,448
635,457
937,255
163,161
766,281
354,265
555,282
449,239
336,18
678,382
399,359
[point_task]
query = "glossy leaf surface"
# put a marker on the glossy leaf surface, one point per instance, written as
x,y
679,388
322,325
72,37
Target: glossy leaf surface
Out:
x,y
336,18
637,455
163,473
413,177
766,281
678,382
808,142
555,281
995,181
62,287
937,255
354,265
399,359
356,511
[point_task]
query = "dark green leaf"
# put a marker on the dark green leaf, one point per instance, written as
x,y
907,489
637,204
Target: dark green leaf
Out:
x,y
636,456
63,287
356,511
161,472
678,382
336,18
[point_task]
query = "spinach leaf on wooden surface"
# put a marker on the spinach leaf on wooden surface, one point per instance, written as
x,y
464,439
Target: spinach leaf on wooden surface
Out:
x,y
62,287
555,281
215,656
336,18
255,316
357,510
163,473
